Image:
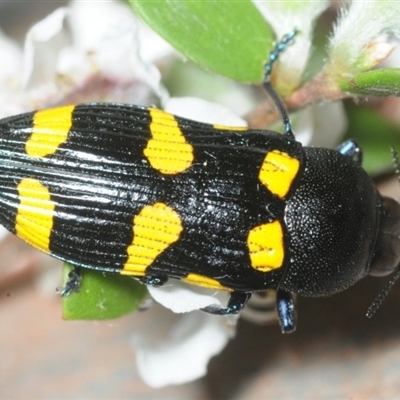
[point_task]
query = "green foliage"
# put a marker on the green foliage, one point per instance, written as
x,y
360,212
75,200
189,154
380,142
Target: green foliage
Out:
x,y
377,82
375,133
102,296
231,39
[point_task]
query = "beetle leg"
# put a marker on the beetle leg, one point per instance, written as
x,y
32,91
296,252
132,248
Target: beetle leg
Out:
x,y
236,302
153,280
286,309
73,283
351,149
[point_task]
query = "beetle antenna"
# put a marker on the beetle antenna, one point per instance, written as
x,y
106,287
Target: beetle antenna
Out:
x,y
385,291
273,56
382,295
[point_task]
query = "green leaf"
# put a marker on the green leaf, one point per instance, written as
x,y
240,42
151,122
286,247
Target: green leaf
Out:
x,y
378,82
230,38
102,295
375,134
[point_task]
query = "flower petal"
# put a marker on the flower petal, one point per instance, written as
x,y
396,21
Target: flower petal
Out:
x,y
284,16
42,46
320,125
204,111
181,297
184,354
10,67
113,42
68,61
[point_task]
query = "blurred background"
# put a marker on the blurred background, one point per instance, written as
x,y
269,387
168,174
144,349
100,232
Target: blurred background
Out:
x,y
336,353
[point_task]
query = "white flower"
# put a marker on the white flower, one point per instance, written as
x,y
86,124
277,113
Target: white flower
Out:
x,y
66,60
320,125
183,354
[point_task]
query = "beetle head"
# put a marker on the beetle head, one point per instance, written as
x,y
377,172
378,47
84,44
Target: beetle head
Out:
x,y
387,249
386,258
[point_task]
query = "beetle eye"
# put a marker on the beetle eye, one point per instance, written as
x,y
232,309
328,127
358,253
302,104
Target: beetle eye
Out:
x,y
387,254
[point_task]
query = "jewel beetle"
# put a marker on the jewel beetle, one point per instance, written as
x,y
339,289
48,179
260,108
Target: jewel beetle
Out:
x,y
140,192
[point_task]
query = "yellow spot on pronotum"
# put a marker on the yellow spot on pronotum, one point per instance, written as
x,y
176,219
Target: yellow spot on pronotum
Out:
x,y
266,246
155,228
34,219
50,130
200,280
278,172
167,150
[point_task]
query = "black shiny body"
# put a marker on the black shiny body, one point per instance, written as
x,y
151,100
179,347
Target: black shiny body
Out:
x,y
99,180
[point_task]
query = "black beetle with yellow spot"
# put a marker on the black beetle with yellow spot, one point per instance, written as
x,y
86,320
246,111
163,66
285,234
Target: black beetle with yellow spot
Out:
x,y
139,192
